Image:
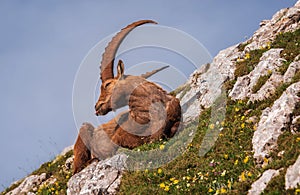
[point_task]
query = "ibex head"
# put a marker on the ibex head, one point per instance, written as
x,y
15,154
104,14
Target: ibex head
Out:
x,y
104,103
109,81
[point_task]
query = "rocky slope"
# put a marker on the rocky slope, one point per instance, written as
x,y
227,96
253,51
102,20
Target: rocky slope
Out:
x,y
249,144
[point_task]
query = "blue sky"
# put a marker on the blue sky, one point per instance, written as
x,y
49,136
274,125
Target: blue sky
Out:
x,y
43,43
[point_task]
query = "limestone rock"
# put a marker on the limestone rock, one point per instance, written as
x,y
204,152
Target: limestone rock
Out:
x,y
103,177
28,184
283,21
292,176
69,163
258,186
290,72
295,126
206,83
269,62
272,122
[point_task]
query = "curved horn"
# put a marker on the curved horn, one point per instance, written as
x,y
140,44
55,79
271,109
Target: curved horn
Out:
x,y
107,63
149,74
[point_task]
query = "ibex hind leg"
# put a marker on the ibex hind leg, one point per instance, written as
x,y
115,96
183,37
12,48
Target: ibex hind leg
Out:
x,y
82,152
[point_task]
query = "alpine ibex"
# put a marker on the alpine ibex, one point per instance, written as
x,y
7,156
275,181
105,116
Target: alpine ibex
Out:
x,y
153,113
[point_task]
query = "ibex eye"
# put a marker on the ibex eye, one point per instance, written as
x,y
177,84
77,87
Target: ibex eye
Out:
x,y
107,84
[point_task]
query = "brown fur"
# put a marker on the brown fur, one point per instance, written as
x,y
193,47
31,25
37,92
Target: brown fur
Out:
x,y
82,153
134,128
153,113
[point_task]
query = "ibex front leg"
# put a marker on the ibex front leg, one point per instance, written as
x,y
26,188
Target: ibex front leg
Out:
x,y
82,152
94,143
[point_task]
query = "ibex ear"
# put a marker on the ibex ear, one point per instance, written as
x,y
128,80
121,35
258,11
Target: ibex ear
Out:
x,y
120,69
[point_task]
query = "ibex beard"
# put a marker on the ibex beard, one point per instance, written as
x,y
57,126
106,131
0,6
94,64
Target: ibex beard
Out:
x,y
153,113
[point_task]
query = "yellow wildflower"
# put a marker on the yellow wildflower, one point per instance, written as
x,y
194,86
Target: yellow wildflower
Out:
x,y
254,127
176,181
242,177
243,125
268,45
146,170
210,190
56,192
52,189
226,156
217,191
162,185
246,159
223,123
240,60
236,109
223,173
236,162
159,171
172,178
297,191
242,118
249,174
240,101
269,72
161,147
188,177
247,56
223,190
211,126
167,188
298,139
67,177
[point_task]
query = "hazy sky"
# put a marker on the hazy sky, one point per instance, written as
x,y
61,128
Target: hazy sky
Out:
x,y
43,43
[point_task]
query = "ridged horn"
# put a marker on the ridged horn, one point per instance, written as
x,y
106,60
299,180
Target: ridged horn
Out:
x,y
149,74
108,57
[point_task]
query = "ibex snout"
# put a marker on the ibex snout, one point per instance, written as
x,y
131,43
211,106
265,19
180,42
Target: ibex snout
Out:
x,y
102,108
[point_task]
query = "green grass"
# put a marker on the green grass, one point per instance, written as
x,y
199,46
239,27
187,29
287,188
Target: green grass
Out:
x,y
182,89
242,46
261,81
290,42
246,65
290,144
